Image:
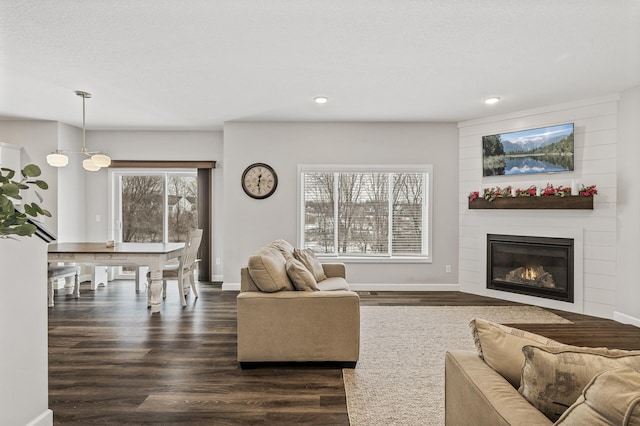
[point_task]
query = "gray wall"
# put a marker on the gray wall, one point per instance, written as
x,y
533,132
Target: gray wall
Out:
x,y
628,208
249,223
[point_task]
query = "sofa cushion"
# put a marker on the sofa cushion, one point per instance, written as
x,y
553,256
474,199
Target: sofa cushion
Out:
x,y
554,377
267,268
611,398
333,284
301,277
501,347
309,259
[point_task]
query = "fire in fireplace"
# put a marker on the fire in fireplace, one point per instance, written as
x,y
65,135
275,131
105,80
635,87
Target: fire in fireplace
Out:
x,y
536,266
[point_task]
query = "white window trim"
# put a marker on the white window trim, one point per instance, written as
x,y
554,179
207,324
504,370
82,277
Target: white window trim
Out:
x,y
427,213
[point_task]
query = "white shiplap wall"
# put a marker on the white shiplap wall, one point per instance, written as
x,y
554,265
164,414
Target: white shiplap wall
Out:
x,y
594,230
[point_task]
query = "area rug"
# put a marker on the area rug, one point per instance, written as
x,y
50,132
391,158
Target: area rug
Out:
x,y
399,379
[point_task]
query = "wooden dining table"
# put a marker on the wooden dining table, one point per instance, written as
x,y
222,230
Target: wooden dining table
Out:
x,y
153,255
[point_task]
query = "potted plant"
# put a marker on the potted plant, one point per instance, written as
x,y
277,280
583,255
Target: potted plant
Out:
x,y
15,221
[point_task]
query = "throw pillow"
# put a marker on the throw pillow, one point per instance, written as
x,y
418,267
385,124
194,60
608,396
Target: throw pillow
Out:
x,y
501,347
554,377
284,246
611,398
300,276
311,262
267,268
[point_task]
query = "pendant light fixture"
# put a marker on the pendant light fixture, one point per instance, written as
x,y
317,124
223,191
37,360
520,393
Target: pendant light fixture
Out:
x,y
96,160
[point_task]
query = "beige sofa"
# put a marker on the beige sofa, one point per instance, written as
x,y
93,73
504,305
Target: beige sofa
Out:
x,y
521,378
277,323
476,395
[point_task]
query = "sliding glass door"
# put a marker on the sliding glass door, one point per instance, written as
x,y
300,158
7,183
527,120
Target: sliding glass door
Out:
x,y
155,206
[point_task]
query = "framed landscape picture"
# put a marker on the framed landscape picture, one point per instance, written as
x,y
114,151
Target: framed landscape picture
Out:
x,y
542,150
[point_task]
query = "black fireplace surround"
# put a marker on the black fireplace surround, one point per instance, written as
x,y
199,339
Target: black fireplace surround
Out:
x,y
535,266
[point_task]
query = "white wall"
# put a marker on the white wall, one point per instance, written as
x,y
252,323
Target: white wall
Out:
x,y
596,146
24,393
251,223
628,207
152,145
71,187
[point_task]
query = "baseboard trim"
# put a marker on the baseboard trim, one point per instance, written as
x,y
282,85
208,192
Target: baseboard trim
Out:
x,y
230,286
403,287
377,287
626,319
44,419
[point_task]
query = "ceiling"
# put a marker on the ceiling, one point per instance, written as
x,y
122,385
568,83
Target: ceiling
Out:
x,y
192,65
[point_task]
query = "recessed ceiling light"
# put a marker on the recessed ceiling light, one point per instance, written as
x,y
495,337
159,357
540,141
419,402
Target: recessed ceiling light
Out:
x,y
492,100
321,99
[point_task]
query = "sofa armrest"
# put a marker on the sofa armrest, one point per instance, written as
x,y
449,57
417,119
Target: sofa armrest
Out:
x,y
246,282
298,326
476,395
334,270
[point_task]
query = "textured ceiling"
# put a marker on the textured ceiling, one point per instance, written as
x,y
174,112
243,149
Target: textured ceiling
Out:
x,y
190,65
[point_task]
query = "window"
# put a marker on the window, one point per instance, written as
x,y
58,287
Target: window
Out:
x,y
370,212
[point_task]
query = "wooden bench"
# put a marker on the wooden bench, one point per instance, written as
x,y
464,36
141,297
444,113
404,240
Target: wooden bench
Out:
x,y
55,273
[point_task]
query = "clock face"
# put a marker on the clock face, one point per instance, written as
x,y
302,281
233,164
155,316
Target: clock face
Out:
x,y
259,180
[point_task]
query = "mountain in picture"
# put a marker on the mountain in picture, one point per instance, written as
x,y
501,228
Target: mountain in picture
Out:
x,y
529,140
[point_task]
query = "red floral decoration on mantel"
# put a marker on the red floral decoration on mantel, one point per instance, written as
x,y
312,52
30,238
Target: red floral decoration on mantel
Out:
x,y
529,192
588,191
491,194
558,191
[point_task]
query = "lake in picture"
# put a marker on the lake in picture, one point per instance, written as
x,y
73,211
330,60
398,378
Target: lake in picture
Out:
x,y
526,165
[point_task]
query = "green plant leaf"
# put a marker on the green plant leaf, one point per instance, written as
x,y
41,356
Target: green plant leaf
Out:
x,y
31,170
10,173
11,190
37,208
47,213
28,209
41,184
25,230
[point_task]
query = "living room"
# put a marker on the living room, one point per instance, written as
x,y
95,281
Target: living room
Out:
x,y
604,114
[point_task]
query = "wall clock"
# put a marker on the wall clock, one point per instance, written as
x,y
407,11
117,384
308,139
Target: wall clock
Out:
x,y
259,181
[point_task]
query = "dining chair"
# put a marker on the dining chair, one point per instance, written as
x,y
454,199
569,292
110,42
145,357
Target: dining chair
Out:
x,y
184,269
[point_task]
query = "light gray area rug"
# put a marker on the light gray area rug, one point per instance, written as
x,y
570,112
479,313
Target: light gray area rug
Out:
x,y
399,379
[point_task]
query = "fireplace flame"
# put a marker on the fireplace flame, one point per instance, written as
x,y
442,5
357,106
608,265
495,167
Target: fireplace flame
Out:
x,y
529,274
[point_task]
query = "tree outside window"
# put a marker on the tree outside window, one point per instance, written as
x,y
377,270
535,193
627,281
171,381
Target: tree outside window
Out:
x,y
146,205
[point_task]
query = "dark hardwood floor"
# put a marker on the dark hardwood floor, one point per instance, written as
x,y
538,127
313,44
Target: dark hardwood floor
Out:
x,y
113,362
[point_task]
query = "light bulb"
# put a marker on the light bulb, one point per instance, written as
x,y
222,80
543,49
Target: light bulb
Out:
x,y
90,166
101,160
57,159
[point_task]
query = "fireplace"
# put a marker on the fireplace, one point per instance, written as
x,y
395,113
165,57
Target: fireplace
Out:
x,y
535,266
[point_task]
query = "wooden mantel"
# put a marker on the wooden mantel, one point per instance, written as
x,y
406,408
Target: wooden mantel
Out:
x,y
574,202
